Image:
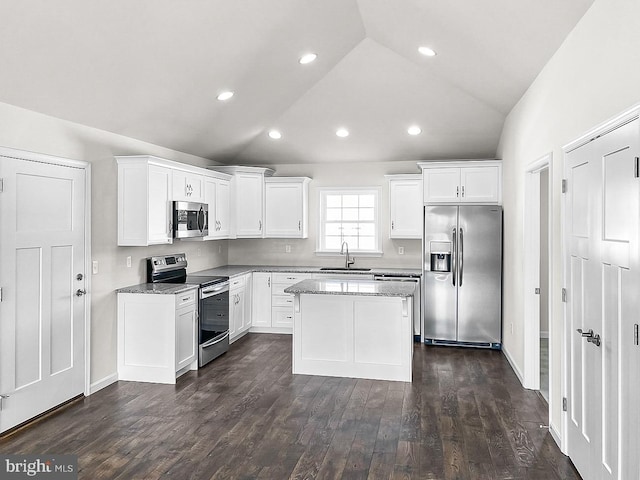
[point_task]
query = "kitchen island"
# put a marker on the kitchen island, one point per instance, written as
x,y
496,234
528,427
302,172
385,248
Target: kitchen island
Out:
x,y
353,328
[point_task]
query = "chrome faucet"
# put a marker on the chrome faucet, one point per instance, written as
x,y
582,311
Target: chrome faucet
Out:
x,y
348,261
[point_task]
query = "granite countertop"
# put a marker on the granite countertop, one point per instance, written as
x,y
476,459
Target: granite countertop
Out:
x,y
235,270
158,288
353,287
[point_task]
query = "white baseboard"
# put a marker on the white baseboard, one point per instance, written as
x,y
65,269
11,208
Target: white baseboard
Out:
x,y
555,434
544,334
514,367
103,382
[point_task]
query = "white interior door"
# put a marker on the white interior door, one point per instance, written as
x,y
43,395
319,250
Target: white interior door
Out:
x,y
602,273
42,251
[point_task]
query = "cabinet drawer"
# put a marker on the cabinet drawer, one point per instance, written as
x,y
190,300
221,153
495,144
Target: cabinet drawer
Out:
x,y
288,278
237,282
282,301
186,298
282,317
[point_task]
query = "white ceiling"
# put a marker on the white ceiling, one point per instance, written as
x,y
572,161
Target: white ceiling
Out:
x,y
151,70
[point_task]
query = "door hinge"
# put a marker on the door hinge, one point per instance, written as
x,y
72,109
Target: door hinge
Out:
x,y
564,404
635,334
0,294
1,185
537,291
636,170
564,295
564,185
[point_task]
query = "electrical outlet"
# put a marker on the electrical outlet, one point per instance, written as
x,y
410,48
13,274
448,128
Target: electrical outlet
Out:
x,y
94,267
287,249
129,261
400,250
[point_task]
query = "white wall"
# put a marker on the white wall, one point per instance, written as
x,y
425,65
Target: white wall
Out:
x,y
592,77
272,251
26,130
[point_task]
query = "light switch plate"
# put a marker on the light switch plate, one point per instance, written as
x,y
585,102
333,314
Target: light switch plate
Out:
x,y
287,249
94,267
129,261
400,250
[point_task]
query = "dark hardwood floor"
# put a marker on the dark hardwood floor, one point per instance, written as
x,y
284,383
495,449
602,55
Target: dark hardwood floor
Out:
x,y
245,416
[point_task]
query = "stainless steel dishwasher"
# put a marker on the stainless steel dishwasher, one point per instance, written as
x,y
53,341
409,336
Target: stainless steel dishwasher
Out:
x,y
417,315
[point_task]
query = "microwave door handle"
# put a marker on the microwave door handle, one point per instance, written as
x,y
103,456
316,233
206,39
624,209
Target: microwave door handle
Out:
x,y
201,217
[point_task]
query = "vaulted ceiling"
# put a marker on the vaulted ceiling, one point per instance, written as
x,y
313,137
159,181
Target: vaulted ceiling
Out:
x,y
152,69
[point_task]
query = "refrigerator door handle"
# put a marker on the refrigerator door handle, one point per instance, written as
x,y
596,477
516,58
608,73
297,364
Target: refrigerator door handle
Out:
x,y
455,258
461,261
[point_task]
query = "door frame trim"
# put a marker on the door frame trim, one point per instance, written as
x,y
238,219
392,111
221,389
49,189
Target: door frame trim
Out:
x,y
531,265
24,155
628,115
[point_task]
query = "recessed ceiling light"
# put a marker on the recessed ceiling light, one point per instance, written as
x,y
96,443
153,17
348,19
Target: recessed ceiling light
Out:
x,y
427,52
275,134
414,130
225,95
342,132
307,58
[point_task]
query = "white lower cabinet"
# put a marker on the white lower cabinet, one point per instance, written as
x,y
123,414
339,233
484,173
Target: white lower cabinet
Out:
x,y
157,336
272,309
239,306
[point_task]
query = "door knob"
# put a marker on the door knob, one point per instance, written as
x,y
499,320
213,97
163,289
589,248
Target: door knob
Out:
x,y
588,334
595,340
80,292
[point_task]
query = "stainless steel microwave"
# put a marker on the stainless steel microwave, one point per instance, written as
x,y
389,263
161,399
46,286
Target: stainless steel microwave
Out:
x,y
190,219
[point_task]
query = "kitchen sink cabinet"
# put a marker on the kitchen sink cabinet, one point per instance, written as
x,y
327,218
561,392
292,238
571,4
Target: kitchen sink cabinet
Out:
x,y
145,209
468,182
287,207
157,336
405,206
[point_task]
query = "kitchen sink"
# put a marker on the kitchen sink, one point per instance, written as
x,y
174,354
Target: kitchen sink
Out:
x,y
345,269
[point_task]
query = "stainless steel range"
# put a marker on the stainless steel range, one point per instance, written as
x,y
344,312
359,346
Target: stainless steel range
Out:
x,y
213,306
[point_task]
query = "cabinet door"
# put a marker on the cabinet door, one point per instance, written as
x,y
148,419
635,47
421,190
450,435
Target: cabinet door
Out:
x,y
222,209
249,205
188,187
186,336
480,185
248,296
441,185
236,313
284,210
405,207
160,213
261,300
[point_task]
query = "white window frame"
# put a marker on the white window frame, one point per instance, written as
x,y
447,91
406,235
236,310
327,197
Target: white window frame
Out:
x,y
322,193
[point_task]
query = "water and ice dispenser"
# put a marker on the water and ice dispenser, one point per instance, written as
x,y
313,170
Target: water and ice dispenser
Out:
x,y
440,256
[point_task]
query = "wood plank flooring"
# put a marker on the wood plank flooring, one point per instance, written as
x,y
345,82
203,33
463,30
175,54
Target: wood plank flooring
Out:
x,y
245,416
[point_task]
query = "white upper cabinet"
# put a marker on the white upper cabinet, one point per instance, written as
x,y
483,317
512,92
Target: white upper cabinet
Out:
x,y
287,207
188,187
405,206
216,195
145,208
246,200
474,182
147,188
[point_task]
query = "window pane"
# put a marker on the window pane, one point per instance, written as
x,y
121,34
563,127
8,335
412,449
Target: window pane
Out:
x,y
332,243
352,241
367,243
334,214
334,229
368,229
350,200
367,200
350,214
334,201
350,229
367,214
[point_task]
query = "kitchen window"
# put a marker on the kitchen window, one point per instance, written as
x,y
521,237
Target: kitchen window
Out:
x,y
349,215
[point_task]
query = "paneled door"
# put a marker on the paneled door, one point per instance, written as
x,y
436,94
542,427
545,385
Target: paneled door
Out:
x,y
602,267
42,312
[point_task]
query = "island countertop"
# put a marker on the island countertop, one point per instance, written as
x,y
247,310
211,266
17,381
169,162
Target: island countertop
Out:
x,y
352,287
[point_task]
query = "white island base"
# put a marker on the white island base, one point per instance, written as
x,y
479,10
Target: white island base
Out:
x,y
353,336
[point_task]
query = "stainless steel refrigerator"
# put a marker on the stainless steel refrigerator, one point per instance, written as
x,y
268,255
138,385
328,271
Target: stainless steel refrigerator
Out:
x,y
462,282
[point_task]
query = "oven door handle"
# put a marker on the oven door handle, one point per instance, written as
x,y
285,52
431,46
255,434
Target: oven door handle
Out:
x,y
213,341
211,291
